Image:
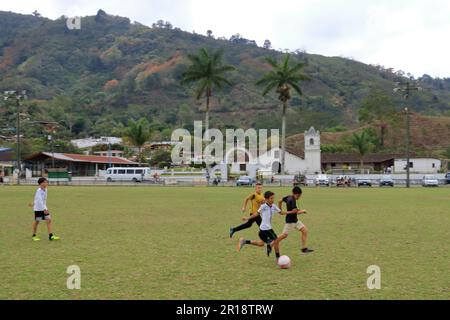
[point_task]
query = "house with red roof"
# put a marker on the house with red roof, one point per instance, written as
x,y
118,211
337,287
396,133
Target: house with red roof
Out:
x,y
77,164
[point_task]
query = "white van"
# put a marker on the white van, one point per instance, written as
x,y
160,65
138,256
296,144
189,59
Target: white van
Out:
x,y
128,174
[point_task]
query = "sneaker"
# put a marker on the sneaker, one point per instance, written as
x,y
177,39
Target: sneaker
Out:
x,y
35,238
231,233
241,244
54,238
306,250
269,250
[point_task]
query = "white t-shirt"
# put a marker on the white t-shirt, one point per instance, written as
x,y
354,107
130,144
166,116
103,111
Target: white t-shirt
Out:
x,y
40,200
266,212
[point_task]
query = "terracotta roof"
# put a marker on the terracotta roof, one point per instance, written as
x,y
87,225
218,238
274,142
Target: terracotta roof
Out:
x,y
355,158
83,158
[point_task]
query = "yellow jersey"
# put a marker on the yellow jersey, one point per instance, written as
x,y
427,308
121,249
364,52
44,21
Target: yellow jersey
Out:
x,y
256,201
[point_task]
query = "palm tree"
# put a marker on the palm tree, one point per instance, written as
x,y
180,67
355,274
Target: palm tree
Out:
x,y
208,72
283,78
138,133
362,145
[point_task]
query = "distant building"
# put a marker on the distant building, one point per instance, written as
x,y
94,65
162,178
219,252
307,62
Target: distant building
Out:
x,y
392,163
418,165
162,145
112,153
93,142
6,161
306,162
77,164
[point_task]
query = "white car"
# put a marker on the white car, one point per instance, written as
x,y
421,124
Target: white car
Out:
x,y
430,181
322,180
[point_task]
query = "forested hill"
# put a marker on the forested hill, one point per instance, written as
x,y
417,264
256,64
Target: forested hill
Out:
x,y
96,78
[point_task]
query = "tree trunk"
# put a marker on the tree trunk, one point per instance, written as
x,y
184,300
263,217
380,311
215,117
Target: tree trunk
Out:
x,y
362,165
283,140
207,113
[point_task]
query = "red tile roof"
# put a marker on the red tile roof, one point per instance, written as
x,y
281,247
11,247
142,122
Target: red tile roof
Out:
x,y
97,159
71,157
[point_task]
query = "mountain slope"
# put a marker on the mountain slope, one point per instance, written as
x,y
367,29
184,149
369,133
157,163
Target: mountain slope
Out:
x,y
94,79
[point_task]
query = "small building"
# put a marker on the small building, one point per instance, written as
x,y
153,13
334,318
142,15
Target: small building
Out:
x,y
348,162
418,165
77,164
6,161
93,142
112,153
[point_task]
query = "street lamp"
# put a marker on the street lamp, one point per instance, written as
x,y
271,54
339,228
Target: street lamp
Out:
x,y
407,89
18,96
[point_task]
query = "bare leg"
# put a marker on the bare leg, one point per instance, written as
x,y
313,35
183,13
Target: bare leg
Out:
x,y
49,226
304,232
35,226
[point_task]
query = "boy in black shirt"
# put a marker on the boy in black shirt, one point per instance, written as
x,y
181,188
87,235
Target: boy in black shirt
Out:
x,y
292,222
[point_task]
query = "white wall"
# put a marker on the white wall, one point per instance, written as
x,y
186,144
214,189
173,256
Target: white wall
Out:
x,y
421,165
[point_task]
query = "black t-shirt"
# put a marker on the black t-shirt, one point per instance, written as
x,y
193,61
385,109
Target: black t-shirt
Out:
x,y
291,204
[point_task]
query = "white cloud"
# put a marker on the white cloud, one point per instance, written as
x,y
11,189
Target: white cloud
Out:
x,y
408,35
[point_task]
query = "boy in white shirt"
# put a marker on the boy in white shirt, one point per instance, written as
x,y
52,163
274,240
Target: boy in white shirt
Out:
x,y
266,234
41,212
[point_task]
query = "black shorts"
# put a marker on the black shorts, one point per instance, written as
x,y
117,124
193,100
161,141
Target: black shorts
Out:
x,y
41,216
268,236
258,220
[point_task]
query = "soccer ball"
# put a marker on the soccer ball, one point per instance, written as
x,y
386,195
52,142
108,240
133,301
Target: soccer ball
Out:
x,y
284,262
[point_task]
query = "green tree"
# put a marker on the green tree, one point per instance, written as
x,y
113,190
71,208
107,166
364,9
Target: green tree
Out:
x,y
283,78
361,144
161,159
378,108
138,133
208,72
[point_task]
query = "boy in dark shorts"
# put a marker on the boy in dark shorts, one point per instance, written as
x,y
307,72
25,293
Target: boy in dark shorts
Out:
x,y
292,221
41,212
256,199
266,234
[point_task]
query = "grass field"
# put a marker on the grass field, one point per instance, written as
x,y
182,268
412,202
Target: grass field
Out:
x,y
173,243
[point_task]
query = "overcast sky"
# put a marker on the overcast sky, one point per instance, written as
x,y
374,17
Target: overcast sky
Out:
x,y
408,35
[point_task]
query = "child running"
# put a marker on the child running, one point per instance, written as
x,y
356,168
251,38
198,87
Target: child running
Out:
x,y
266,234
256,199
292,221
41,212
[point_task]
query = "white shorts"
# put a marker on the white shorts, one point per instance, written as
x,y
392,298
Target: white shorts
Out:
x,y
288,227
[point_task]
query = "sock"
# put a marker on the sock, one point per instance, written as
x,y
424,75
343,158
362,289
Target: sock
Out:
x,y
277,254
34,235
248,242
50,235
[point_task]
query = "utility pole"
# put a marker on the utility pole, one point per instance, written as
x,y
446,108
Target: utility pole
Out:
x,y
17,96
407,89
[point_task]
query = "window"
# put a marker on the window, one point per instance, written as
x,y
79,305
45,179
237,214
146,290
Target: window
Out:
x,y
434,166
130,171
139,171
277,154
121,171
114,171
411,164
311,142
242,167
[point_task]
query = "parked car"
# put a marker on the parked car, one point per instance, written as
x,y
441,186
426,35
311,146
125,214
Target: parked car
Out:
x,y
386,181
244,181
364,182
430,181
447,178
322,180
300,180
